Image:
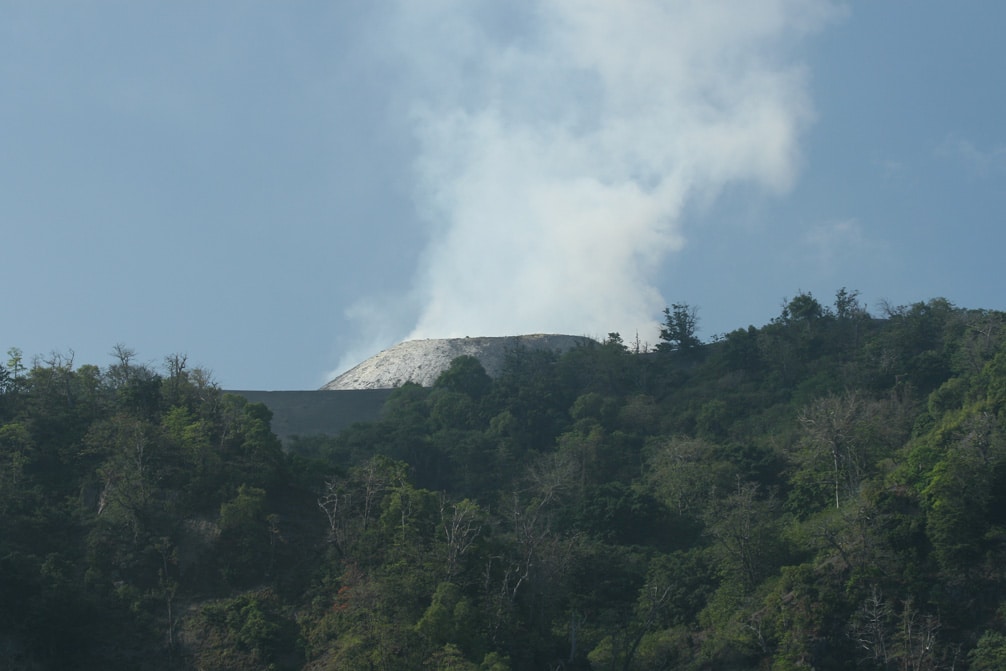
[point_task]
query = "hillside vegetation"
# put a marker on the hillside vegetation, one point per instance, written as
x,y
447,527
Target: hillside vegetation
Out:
x,y
827,491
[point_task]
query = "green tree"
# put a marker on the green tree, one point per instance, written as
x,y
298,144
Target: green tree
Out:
x,y
917,345
253,452
529,390
990,652
243,632
15,364
746,527
130,475
466,376
803,309
685,474
677,334
607,368
244,541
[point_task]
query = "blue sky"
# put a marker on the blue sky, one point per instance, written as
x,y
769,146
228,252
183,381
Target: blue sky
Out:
x,y
278,190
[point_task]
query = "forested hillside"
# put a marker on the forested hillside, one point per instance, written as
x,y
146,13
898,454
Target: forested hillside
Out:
x,y
827,491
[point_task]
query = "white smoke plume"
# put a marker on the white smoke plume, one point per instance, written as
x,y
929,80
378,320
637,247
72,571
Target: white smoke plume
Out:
x,y
560,140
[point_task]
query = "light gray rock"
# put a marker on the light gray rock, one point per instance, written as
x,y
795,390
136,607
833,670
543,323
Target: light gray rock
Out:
x,y
422,361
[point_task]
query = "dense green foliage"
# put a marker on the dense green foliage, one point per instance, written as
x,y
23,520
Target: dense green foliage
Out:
x,y
827,491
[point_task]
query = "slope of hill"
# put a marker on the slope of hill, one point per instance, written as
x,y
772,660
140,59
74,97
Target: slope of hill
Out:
x,y
826,491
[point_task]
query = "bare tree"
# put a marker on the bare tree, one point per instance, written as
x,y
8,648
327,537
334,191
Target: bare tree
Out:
x,y
461,523
832,435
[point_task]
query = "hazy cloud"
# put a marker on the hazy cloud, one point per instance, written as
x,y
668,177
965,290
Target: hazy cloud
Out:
x,y
559,141
981,160
831,243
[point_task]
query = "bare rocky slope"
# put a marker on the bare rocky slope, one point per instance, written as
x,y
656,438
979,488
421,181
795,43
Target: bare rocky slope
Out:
x,y
422,361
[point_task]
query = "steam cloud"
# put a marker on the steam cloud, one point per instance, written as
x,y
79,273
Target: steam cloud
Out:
x,y
559,141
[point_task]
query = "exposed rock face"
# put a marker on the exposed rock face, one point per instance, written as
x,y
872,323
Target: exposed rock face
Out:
x,y
422,361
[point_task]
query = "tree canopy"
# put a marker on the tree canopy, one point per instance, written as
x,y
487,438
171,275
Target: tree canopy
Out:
x,y
826,491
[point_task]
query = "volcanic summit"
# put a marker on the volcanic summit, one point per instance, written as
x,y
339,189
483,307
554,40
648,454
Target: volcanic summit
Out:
x,y
422,361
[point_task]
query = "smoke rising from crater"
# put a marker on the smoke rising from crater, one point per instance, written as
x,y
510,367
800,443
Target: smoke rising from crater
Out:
x,y
560,140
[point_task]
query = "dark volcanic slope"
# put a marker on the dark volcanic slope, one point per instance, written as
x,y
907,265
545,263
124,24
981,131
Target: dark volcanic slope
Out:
x,y
311,413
